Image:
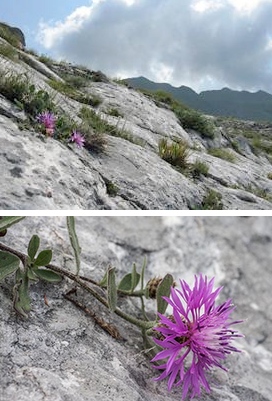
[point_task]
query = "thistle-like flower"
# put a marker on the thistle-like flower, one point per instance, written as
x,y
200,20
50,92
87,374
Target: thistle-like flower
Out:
x,y
48,120
198,332
77,138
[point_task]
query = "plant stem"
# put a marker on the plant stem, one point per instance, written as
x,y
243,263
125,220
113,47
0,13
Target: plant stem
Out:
x,y
79,280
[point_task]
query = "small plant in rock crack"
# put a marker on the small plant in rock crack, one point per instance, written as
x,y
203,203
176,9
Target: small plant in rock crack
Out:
x,y
196,337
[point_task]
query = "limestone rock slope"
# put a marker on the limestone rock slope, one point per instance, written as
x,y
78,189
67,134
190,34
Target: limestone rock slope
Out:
x,y
47,173
59,353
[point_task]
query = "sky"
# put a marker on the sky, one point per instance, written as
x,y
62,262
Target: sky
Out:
x,y
204,44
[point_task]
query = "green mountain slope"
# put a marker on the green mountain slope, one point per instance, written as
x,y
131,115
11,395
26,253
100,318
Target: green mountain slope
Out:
x,y
225,102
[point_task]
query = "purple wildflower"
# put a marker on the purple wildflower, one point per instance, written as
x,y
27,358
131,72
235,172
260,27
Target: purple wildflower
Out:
x,y
78,138
198,330
48,120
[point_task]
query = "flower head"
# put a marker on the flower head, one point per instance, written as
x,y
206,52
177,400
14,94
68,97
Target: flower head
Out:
x,y
78,138
48,120
199,331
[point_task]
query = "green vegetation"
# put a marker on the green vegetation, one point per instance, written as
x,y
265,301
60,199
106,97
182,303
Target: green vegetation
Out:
x,y
175,153
10,37
222,154
188,118
114,112
261,145
269,176
68,90
260,192
18,89
112,189
75,81
46,60
101,126
212,201
198,168
8,51
193,120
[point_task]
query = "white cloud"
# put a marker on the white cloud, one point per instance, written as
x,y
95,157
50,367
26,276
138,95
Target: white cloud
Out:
x,y
184,42
206,5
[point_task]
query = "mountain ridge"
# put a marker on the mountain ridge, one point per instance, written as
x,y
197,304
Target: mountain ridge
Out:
x,y
225,102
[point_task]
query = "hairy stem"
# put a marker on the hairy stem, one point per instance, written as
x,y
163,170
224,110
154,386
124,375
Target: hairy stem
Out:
x,y
82,282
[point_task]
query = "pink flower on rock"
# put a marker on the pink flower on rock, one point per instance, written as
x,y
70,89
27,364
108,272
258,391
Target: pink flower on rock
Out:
x,y
77,138
48,120
197,331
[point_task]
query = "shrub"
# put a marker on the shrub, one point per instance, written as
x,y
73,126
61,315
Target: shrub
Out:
x,y
76,81
222,154
18,89
199,168
193,120
114,112
269,176
102,127
10,37
261,145
212,201
9,52
175,153
46,60
112,189
67,90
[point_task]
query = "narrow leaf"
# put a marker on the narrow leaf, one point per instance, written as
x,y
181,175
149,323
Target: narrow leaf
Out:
x,y
48,275
103,282
44,258
164,290
31,275
143,273
74,240
112,290
9,263
33,246
7,221
135,278
21,299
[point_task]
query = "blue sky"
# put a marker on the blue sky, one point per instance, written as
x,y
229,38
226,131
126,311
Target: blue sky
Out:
x,y
204,44
27,14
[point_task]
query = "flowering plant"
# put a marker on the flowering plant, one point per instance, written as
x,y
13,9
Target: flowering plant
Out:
x,y
197,328
77,138
48,120
196,337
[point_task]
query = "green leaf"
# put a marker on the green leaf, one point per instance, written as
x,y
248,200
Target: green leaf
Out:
x,y
126,283
112,290
103,282
6,222
31,275
164,290
143,273
70,220
44,258
130,281
33,246
9,263
48,275
135,278
21,299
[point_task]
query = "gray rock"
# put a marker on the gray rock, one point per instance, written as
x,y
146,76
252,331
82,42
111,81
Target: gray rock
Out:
x,y
16,32
59,353
79,179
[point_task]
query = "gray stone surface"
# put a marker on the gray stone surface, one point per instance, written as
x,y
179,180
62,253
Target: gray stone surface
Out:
x,y
59,354
78,180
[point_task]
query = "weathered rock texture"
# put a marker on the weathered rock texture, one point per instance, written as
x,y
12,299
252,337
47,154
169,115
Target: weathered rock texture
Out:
x,y
16,32
40,173
60,354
